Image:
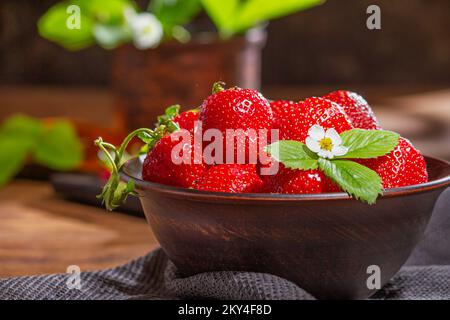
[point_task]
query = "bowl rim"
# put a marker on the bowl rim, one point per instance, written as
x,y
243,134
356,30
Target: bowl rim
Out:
x,y
140,184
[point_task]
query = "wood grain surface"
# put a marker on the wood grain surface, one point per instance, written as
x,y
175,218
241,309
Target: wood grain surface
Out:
x,y
40,233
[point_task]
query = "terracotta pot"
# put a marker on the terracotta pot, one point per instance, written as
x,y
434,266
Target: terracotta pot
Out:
x,y
322,242
145,82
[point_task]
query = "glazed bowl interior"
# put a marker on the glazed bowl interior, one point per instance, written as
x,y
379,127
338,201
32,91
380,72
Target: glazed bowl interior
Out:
x,y
322,242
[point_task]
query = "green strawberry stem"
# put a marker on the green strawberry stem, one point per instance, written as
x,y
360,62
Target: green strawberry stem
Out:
x,y
115,191
104,146
127,140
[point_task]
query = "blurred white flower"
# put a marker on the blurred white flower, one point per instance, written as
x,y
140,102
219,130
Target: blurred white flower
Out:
x,y
129,13
146,29
326,144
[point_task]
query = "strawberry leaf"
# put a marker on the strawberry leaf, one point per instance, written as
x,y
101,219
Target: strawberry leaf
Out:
x,y
172,111
151,138
357,180
364,144
145,137
293,154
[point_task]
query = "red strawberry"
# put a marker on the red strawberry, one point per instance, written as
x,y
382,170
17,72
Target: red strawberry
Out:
x,y
295,120
186,120
278,108
330,186
356,108
290,181
234,109
401,167
235,178
159,166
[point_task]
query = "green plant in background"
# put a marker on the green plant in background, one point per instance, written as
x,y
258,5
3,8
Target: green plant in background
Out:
x,y
54,145
235,16
111,23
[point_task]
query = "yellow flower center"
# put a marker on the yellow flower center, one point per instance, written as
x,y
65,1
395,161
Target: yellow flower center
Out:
x,y
326,144
147,30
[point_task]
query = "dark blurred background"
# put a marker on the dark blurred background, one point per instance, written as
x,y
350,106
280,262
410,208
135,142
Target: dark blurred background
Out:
x,y
403,69
328,44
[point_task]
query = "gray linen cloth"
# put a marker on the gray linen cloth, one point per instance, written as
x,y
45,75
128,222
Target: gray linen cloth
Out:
x,y
155,277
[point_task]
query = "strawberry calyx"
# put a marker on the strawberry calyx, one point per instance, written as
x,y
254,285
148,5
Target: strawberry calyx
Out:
x,y
167,118
172,120
218,86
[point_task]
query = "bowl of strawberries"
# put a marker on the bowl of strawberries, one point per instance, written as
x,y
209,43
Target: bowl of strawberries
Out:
x,y
313,191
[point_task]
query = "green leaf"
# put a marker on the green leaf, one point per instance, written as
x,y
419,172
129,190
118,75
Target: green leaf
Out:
x,y
25,132
222,13
23,127
56,146
293,154
53,26
59,147
357,180
144,149
123,191
106,12
151,138
145,137
172,111
366,144
234,16
253,12
13,154
172,13
166,119
116,192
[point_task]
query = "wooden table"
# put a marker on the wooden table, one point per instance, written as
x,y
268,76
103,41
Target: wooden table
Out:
x,y
40,233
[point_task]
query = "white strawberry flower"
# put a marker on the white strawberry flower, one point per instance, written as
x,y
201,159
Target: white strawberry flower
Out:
x,y
146,29
327,144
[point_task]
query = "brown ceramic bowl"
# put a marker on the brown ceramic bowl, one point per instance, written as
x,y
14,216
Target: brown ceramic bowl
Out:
x,y
322,242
